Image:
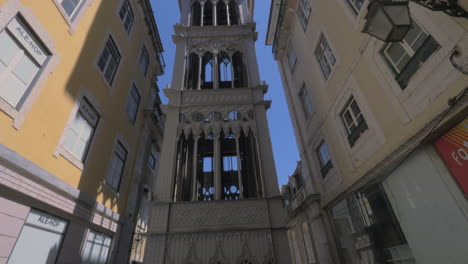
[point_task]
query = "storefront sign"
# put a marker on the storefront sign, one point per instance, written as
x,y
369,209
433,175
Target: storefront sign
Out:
x,y
46,221
27,40
453,147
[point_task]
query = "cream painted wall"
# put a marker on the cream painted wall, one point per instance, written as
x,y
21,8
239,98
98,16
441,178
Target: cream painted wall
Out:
x,y
38,136
392,115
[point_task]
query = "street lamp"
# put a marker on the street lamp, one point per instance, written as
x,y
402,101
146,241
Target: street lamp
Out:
x,y
390,20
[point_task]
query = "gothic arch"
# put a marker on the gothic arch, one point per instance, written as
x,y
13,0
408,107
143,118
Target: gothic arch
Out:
x,y
246,256
208,13
233,12
192,255
221,13
225,70
202,13
196,14
192,71
207,71
240,71
219,257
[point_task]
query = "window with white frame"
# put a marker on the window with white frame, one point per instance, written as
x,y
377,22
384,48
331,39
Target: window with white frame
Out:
x,y
303,12
355,5
21,59
144,61
292,57
96,248
324,159
405,57
353,120
126,16
152,161
305,101
71,7
133,104
81,130
325,57
109,60
116,168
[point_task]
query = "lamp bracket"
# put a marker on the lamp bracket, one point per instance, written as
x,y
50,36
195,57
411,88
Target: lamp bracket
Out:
x,y
449,7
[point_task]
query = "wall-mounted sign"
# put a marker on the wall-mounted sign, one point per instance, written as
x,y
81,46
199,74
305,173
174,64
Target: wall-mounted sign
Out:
x,y
46,221
29,42
453,147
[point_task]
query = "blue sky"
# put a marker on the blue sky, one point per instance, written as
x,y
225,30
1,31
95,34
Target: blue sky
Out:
x,y
282,135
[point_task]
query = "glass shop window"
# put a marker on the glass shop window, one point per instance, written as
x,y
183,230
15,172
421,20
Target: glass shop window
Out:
x,y
40,239
367,230
96,248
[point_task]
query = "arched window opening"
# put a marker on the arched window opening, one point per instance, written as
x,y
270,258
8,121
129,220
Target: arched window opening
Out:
x,y
208,14
192,72
225,71
207,74
234,115
184,169
250,169
196,14
205,169
240,74
216,116
221,14
233,13
229,169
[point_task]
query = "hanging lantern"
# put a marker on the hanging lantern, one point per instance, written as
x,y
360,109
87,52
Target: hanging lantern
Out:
x,y
388,20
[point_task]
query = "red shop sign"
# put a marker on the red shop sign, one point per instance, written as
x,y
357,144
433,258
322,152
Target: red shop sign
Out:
x,y
453,147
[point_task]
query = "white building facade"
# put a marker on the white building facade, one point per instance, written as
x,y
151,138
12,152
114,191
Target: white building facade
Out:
x,y
382,133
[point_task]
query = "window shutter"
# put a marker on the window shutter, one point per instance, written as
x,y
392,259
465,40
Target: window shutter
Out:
x,y
429,46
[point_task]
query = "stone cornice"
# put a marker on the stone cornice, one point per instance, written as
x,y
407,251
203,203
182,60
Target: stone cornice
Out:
x,y
233,96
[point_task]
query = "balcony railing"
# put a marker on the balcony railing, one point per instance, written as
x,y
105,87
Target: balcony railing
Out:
x,y
297,199
354,136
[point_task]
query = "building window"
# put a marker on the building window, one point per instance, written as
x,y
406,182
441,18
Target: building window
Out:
x,y
144,61
21,59
405,57
116,168
324,158
367,229
325,57
81,130
292,57
40,239
109,60
71,7
230,163
152,161
306,102
96,248
133,104
303,12
353,121
126,16
355,5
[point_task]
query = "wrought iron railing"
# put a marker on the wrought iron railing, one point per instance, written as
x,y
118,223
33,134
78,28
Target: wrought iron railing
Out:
x,y
354,136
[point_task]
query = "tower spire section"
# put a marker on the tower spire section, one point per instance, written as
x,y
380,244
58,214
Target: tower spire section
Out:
x,y
217,195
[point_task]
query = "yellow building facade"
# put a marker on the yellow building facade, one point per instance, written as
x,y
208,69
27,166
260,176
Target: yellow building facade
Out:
x,y
374,184
78,126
